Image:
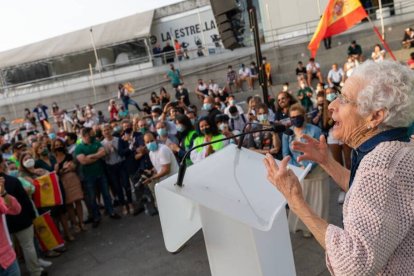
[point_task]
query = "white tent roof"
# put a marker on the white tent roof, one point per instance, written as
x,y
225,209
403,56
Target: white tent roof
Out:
x,y
105,34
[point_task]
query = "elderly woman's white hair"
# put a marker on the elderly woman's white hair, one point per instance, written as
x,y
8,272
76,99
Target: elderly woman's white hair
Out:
x,y
390,86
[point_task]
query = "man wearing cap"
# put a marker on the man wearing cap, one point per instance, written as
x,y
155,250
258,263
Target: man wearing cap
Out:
x,y
18,148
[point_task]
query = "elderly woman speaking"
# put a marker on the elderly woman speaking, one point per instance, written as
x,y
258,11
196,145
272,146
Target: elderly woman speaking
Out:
x,y
371,115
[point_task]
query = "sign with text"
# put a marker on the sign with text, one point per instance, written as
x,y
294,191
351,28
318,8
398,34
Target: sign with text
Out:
x,y
191,27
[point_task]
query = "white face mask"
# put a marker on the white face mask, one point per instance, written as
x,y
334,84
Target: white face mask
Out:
x,y
29,163
285,88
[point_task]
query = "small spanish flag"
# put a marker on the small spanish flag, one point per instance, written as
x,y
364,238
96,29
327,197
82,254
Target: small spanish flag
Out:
x,y
47,232
129,88
47,125
339,16
47,191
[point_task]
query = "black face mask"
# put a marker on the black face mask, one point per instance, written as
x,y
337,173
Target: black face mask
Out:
x,y
298,121
206,131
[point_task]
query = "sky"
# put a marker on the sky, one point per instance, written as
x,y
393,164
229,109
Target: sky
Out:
x,y
26,21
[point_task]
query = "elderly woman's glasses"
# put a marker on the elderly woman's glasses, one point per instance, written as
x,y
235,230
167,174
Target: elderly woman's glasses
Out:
x,y
344,100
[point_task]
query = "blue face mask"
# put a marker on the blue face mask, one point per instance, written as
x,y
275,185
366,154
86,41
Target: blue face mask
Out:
x,y
52,136
14,173
262,117
193,121
152,146
330,97
207,106
180,128
162,132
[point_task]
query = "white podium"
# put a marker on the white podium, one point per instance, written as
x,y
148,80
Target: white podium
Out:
x,y
242,215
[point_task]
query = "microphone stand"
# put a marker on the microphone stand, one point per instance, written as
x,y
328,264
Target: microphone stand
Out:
x,y
183,164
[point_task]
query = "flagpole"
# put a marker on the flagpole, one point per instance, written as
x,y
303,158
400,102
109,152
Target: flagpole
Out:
x,y
381,39
382,19
319,6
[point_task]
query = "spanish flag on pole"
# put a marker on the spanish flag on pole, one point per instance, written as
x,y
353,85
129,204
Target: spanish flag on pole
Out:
x,y
339,16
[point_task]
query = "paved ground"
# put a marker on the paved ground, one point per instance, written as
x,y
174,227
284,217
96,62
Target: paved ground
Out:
x,y
134,246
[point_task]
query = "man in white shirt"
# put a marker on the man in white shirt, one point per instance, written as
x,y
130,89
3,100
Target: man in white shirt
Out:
x,y
163,160
313,71
335,76
213,87
244,75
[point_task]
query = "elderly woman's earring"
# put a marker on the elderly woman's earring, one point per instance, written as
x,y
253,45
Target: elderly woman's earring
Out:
x,y
369,127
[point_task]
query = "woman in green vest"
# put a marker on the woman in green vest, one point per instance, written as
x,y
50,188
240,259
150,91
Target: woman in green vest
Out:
x,y
207,132
185,135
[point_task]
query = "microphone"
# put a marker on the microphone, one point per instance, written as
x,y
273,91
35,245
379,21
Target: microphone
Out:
x,y
275,127
183,165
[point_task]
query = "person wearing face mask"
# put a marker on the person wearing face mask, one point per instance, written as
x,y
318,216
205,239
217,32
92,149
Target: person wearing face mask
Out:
x,y
163,160
207,132
162,135
45,160
316,184
254,73
18,148
222,123
157,115
318,113
29,173
267,141
212,111
66,170
9,205
89,154
304,95
268,71
20,226
231,101
182,95
232,80
201,89
185,136
300,72
350,66
213,87
192,115
237,120
285,88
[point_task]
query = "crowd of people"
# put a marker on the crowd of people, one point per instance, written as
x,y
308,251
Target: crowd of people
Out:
x,y
110,164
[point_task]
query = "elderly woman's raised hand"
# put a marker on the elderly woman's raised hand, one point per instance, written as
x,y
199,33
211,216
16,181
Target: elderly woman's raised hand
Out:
x,y
284,180
312,149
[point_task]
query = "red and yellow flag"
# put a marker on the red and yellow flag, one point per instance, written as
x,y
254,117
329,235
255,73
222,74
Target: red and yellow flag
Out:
x,y
47,191
47,232
339,16
129,88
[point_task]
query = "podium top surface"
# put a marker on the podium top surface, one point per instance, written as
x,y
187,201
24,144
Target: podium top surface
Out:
x,y
233,182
